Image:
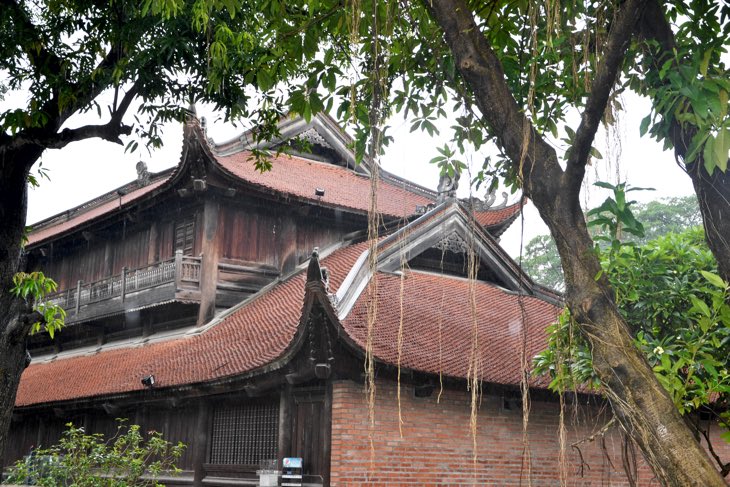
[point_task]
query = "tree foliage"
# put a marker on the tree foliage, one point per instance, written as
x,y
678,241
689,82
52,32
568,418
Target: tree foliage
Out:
x,y
76,57
669,289
33,287
657,218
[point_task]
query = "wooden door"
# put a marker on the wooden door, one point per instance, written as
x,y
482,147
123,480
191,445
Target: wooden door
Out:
x,y
311,433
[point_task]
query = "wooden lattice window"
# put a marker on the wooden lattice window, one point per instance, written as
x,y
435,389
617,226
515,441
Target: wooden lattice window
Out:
x,y
245,434
185,236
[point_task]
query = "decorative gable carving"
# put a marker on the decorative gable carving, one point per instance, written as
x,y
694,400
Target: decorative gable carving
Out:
x,y
314,138
453,243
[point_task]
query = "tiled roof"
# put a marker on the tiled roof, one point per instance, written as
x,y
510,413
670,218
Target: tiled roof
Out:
x,y
261,330
300,177
85,216
289,175
438,326
256,334
251,337
496,217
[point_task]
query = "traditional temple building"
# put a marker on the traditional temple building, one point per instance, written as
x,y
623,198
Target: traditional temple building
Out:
x,y
230,309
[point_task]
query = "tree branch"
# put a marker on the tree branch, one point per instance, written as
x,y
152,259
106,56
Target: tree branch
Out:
x,y
110,131
618,41
482,71
51,139
724,467
42,59
19,329
93,88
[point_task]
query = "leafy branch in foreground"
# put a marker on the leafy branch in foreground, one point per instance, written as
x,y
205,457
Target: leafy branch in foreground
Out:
x,y
33,287
129,459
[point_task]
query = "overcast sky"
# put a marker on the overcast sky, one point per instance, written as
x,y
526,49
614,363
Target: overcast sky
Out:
x,y
83,170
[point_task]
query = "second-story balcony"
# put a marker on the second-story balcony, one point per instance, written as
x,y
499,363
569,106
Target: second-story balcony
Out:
x,y
177,279
173,279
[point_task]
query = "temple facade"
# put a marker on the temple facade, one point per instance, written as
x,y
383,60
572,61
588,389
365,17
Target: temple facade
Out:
x,y
235,311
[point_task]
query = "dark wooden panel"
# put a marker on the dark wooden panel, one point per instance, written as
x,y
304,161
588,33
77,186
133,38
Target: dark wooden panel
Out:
x,y
310,433
248,235
166,240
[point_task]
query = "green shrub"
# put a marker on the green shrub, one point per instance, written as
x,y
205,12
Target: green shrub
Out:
x,y
129,459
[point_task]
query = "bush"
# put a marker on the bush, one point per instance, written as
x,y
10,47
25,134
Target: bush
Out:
x,y
126,460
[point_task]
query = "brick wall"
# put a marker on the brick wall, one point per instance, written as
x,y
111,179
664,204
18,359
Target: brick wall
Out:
x,y
436,447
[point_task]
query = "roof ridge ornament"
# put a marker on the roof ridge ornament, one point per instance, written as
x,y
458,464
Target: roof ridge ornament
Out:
x,y
448,184
143,175
312,136
476,204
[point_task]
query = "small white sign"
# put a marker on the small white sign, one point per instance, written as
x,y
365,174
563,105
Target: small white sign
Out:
x,y
293,462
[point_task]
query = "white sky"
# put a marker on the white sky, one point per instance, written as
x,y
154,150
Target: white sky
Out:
x,y
86,169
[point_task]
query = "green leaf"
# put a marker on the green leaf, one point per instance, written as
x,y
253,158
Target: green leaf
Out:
x,y
723,96
704,64
714,279
644,126
595,153
721,147
571,133
700,305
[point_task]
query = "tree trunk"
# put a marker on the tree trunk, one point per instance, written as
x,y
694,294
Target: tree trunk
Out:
x,y
14,168
713,196
642,406
713,192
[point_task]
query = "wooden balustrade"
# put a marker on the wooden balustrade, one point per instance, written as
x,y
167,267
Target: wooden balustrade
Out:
x,y
181,268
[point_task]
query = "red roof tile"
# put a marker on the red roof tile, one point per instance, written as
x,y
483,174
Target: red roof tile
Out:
x,y
94,212
251,337
260,332
438,326
343,187
496,217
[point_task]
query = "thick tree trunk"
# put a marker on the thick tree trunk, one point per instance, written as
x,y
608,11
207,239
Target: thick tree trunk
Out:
x,y
14,328
641,405
713,196
713,191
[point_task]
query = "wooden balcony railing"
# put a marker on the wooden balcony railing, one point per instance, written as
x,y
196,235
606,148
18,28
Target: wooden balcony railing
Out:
x,y
180,269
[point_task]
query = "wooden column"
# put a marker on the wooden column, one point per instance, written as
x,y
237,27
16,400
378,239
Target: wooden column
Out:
x,y
152,252
286,244
285,422
123,282
210,249
78,296
178,269
200,445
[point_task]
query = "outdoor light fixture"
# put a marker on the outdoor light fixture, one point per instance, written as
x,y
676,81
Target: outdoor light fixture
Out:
x,y
319,192
148,381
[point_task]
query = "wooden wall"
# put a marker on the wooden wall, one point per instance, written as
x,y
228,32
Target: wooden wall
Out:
x,y
249,232
280,237
45,428
122,244
231,424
